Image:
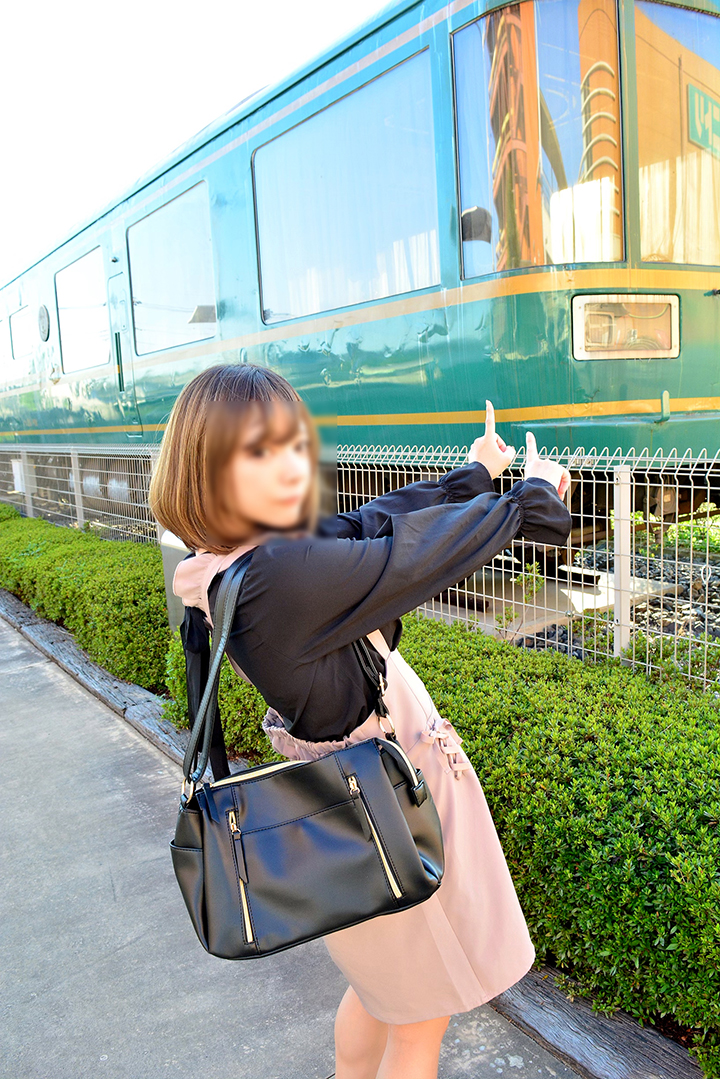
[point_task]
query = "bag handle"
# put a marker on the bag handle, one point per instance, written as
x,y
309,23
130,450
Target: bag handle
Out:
x,y
225,604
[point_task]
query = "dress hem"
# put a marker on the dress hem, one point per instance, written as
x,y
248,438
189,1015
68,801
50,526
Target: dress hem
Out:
x,y
423,1018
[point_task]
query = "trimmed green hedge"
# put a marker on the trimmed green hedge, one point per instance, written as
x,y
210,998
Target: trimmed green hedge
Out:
x,y
8,513
109,594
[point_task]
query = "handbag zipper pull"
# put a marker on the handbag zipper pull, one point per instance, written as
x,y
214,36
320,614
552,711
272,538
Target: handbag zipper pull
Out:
x,y
242,874
239,852
359,806
367,822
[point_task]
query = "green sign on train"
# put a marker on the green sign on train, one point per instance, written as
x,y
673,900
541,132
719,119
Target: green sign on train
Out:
x,y
703,120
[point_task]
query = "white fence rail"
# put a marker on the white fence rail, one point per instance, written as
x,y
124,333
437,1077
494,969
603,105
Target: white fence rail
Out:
x,y
102,489
638,578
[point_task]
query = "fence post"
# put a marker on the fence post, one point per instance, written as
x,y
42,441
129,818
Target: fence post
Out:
x,y
27,483
622,546
77,485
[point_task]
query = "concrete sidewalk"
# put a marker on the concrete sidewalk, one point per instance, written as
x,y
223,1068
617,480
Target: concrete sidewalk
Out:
x,y
101,974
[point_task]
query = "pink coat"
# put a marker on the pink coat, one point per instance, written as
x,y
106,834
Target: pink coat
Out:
x,y
469,941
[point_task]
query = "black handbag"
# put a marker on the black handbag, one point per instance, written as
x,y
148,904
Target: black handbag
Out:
x,y
282,853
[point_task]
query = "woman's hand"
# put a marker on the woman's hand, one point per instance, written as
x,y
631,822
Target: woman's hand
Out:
x,y
489,449
544,467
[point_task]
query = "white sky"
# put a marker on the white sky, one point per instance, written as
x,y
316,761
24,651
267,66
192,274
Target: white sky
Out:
x,y
94,93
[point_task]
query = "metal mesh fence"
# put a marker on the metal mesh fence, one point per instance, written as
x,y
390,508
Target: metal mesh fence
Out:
x,y
99,489
639,576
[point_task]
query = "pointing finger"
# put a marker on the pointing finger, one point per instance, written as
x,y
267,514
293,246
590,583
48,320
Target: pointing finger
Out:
x,y
489,419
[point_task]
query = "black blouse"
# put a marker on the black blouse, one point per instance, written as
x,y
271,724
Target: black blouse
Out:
x,y
304,601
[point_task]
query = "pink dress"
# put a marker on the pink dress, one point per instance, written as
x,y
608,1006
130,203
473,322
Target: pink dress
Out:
x,y
469,941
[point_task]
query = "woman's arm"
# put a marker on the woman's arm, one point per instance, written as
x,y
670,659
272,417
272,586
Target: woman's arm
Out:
x,y
459,485
319,594
488,457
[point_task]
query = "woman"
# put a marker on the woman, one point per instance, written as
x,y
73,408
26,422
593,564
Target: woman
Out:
x,y
238,470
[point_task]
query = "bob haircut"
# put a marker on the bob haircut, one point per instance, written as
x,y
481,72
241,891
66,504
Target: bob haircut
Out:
x,y
204,429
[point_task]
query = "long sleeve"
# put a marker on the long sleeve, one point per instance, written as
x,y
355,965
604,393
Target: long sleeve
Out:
x,y
321,594
305,600
459,485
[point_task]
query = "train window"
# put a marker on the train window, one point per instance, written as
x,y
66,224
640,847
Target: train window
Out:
x,y
23,334
171,271
5,350
538,124
83,313
678,89
346,201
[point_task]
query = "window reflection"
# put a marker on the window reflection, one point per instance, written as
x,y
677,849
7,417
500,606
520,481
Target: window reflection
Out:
x,y
346,201
678,86
83,314
5,352
171,268
23,335
537,101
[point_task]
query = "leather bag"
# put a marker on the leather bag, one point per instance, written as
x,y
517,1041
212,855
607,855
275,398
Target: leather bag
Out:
x,y
282,853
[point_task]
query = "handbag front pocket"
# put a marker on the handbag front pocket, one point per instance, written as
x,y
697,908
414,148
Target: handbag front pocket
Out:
x,y
309,875
363,808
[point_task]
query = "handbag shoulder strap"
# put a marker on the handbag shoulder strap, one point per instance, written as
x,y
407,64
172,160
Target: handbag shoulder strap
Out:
x,y
373,675
391,742
195,638
196,757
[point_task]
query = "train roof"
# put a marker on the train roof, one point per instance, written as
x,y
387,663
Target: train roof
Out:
x,y
243,109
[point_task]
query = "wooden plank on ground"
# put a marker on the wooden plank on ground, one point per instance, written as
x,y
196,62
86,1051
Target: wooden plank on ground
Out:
x,y
598,1046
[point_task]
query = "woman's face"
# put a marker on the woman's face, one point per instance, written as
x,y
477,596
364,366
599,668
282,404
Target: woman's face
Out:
x,y
267,485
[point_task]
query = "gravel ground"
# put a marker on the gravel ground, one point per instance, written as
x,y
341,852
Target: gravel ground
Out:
x,y
691,613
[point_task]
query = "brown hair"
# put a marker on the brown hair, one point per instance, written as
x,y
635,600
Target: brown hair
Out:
x,y
203,430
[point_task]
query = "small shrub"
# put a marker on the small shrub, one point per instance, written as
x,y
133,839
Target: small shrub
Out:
x,y
700,535
110,594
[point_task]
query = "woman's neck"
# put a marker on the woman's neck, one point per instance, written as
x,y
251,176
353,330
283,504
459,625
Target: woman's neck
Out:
x,y
261,535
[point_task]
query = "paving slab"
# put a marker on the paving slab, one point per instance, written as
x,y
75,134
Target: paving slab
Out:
x,y
101,975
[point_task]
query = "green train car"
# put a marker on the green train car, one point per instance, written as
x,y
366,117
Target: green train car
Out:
x,y
460,201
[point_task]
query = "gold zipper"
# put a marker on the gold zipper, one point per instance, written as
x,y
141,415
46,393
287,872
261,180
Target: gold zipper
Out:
x,y
356,791
232,820
254,773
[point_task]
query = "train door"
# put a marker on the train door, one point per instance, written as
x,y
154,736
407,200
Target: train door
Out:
x,y
121,349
